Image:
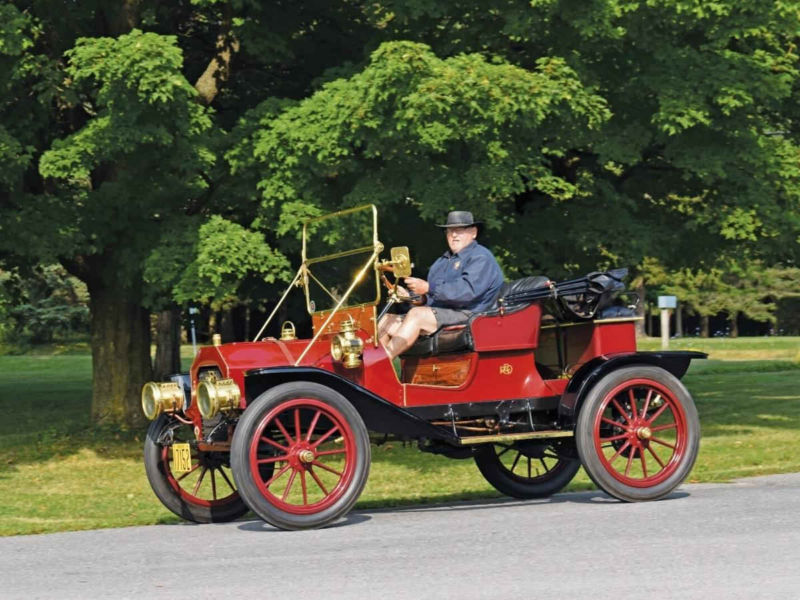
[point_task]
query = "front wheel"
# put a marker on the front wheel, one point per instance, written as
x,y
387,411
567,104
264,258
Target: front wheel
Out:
x,y
526,469
318,446
205,493
638,433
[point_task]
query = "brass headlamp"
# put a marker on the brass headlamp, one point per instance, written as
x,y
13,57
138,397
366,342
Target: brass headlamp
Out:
x,y
215,396
346,346
165,397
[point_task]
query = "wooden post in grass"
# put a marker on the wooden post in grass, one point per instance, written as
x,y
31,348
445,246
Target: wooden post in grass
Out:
x,y
666,304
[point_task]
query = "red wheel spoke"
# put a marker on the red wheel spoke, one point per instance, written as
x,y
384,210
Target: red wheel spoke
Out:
x,y
326,467
297,424
330,452
663,427
319,483
657,413
283,431
289,485
644,464
272,459
325,436
620,409
615,423
283,470
614,438
189,472
213,485
662,442
199,481
631,456
313,425
620,451
516,460
303,485
647,403
273,443
658,460
632,398
225,477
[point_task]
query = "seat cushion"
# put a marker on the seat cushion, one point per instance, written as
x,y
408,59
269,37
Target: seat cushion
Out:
x,y
452,338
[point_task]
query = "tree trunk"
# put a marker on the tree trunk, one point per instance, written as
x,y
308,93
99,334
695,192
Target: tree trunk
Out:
x,y
168,344
120,356
734,322
704,325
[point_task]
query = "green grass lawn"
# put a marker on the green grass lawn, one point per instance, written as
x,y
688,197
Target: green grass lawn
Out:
x,y
58,473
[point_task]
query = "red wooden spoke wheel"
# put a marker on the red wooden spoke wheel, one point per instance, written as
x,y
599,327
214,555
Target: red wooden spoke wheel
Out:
x,y
527,469
638,433
317,448
206,493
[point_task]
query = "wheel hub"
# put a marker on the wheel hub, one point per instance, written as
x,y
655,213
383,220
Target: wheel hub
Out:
x,y
644,433
306,456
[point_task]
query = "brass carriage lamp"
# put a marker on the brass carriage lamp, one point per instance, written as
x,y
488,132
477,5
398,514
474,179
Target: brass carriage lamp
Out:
x,y
214,397
164,397
346,346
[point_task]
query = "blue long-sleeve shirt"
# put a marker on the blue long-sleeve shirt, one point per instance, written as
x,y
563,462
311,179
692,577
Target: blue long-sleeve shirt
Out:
x,y
468,280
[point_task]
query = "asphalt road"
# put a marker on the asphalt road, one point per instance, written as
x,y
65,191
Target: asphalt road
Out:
x,y
728,541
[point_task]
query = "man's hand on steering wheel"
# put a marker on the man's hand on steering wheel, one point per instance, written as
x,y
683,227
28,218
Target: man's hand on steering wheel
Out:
x,y
417,286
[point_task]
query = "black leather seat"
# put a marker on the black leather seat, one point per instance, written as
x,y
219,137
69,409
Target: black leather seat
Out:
x,y
458,338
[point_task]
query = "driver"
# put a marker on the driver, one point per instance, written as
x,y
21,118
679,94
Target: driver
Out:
x,y
462,281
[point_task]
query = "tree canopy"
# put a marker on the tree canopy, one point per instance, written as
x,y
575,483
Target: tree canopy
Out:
x,y
166,152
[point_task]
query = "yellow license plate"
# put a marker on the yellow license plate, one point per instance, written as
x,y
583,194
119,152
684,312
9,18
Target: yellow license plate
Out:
x,y
181,458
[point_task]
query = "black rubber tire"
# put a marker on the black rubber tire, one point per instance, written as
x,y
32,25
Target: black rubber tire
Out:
x,y
249,426
509,482
164,485
677,467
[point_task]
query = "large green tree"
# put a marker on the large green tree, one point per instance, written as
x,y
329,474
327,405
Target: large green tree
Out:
x,y
584,133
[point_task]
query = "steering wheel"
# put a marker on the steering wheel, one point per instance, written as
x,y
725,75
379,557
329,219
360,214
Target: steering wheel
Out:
x,y
411,298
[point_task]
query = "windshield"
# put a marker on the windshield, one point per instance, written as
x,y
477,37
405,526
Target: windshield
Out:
x,y
336,248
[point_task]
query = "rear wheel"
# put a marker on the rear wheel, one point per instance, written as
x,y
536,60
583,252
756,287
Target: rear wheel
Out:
x,y
525,469
638,433
318,446
206,493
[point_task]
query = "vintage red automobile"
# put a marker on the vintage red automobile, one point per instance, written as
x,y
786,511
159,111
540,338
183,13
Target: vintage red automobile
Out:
x,y
547,380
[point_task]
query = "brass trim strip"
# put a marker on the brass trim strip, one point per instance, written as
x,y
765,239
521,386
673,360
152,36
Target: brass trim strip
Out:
x,y
506,437
342,254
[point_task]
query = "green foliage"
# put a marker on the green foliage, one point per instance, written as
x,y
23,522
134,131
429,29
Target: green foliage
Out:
x,y
46,305
729,286
208,264
413,127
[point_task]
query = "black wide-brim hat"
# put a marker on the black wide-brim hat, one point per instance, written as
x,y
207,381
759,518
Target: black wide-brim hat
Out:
x,y
460,218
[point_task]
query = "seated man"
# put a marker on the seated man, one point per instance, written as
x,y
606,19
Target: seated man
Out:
x,y
464,280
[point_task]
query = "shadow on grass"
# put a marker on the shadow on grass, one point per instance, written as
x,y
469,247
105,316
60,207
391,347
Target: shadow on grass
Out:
x,y
47,401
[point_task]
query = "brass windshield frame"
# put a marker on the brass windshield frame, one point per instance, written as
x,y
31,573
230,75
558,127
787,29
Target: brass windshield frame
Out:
x,y
304,274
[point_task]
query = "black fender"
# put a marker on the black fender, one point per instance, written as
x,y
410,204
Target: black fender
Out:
x,y
676,362
379,414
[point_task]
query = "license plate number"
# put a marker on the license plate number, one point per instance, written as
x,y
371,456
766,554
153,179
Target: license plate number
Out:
x,y
181,458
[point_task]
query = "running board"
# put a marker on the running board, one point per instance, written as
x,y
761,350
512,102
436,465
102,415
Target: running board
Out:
x,y
512,437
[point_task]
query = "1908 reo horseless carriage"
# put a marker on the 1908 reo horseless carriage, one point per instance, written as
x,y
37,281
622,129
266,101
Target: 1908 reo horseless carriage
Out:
x,y
545,381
